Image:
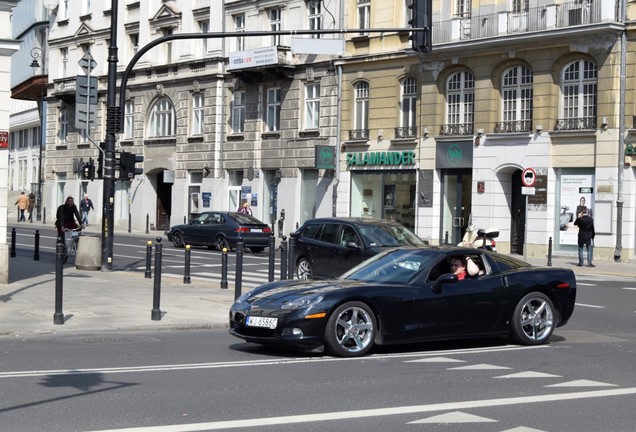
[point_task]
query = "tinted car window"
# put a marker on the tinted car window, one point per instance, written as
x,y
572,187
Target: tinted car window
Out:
x,y
245,219
392,267
311,230
347,235
329,233
375,235
505,263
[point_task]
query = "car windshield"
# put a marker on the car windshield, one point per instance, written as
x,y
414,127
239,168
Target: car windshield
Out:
x,y
388,235
395,266
245,219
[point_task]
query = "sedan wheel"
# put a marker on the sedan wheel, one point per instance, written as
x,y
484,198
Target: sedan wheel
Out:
x,y
221,242
533,320
350,330
303,269
177,240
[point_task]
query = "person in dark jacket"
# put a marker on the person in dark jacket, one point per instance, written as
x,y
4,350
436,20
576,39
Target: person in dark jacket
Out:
x,y
66,215
586,236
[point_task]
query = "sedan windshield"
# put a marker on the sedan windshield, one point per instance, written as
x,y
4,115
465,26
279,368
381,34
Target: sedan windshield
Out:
x,y
388,235
396,266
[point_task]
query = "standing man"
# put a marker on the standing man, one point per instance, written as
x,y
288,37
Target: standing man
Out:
x,y
31,206
85,206
23,203
586,236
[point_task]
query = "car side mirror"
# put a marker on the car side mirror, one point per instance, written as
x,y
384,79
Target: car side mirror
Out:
x,y
352,245
443,279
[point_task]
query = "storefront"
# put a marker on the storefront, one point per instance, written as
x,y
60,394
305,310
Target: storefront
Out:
x,y
575,192
383,185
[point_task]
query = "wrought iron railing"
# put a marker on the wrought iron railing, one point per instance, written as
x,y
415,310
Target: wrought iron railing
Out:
x,y
457,129
406,132
358,134
583,123
513,126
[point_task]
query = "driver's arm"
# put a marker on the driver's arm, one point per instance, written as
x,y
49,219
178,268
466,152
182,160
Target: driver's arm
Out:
x,y
471,268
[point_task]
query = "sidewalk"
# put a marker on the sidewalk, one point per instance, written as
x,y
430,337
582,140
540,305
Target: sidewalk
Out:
x,y
102,301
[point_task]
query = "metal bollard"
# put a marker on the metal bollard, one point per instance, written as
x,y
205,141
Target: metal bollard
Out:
x,y
186,271
44,215
36,250
156,297
148,274
185,220
272,257
147,223
129,222
550,252
224,268
238,281
290,256
13,234
58,316
446,238
283,259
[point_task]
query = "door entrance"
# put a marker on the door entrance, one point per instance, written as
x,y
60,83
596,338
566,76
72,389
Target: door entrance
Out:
x,y
517,214
456,205
164,202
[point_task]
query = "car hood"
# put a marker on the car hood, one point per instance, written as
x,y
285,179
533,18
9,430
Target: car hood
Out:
x,y
286,290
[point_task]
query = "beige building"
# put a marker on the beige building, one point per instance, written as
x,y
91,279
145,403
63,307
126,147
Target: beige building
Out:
x,y
513,120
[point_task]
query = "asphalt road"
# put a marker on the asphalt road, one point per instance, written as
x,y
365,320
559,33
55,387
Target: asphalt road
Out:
x,y
194,380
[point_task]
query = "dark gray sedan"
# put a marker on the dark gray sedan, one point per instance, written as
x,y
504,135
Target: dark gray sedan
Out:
x,y
221,229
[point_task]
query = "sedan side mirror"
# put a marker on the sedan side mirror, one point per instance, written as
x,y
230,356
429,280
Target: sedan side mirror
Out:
x,y
352,245
443,279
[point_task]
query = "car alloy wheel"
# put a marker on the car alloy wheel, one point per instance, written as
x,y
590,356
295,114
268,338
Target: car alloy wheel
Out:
x,y
177,240
533,320
222,243
350,330
303,269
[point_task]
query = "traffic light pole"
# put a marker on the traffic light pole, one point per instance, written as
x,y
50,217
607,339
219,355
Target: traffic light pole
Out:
x,y
112,125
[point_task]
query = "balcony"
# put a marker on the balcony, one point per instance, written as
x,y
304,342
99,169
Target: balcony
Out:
x,y
541,18
457,129
513,126
359,135
575,124
406,132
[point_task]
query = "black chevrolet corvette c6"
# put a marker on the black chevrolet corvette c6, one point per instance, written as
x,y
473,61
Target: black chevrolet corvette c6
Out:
x,y
406,295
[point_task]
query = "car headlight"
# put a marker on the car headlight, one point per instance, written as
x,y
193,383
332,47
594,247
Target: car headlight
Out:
x,y
243,297
302,302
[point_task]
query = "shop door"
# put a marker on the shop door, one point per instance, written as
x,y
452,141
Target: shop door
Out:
x,y
456,205
517,215
164,203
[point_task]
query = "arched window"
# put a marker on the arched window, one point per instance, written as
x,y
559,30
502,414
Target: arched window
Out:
x,y
162,118
361,112
516,89
408,98
578,96
460,104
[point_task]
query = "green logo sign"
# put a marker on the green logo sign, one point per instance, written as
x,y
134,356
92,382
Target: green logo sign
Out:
x,y
406,157
454,155
325,157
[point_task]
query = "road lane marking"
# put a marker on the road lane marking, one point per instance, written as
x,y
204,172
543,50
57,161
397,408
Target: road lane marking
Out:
x,y
263,362
530,374
582,383
586,284
590,306
378,412
454,417
482,366
629,289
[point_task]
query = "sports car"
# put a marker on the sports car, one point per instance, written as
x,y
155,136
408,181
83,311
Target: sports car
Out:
x,y
406,295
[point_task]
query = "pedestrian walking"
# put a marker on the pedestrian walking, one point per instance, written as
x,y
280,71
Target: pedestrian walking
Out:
x,y
86,205
245,208
31,206
23,203
586,237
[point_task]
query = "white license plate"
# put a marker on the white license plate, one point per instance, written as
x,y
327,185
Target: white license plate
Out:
x,y
261,322
256,230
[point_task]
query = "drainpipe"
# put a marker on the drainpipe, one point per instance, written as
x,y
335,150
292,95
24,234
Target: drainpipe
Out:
x,y
338,121
621,138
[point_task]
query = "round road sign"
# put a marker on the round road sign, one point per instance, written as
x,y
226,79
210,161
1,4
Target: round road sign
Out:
x,y
528,177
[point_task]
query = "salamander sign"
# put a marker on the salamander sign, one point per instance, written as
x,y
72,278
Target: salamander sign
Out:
x,y
406,157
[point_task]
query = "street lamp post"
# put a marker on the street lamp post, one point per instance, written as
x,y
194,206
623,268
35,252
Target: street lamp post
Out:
x,y
38,54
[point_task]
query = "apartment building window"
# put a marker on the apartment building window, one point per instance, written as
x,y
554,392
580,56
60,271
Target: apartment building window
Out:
x,y
516,89
360,129
460,98
167,46
62,13
197,113
162,118
87,7
314,12
364,14
63,126
578,93
133,39
519,6
204,27
462,8
238,112
272,119
274,24
64,61
312,105
239,26
408,99
129,120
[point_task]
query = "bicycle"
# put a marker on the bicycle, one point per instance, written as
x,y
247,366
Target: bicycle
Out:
x,y
71,239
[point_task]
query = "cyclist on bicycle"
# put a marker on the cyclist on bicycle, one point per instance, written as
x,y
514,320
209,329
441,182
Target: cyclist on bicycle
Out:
x,y
66,215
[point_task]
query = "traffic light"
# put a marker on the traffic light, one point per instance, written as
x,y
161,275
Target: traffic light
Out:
x,y
127,161
88,170
421,17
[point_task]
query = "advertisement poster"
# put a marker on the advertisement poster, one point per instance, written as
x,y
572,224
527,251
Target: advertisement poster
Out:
x,y
577,193
206,197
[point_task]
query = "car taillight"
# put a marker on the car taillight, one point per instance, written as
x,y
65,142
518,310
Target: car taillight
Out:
x,y
267,230
563,285
242,230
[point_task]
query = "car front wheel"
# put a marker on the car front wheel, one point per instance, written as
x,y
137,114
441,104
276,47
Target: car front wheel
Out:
x,y
221,243
350,330
303,269
534,319
177,240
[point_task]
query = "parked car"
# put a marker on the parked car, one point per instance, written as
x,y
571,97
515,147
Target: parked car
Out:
x,y
221,229
407,295
328,247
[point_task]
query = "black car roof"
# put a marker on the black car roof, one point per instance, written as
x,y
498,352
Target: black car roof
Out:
x,y
354,221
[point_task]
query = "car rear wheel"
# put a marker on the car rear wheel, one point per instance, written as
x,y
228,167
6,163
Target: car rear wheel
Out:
x,y
177,240
534,319
303,269
350,330
257,249
221,242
